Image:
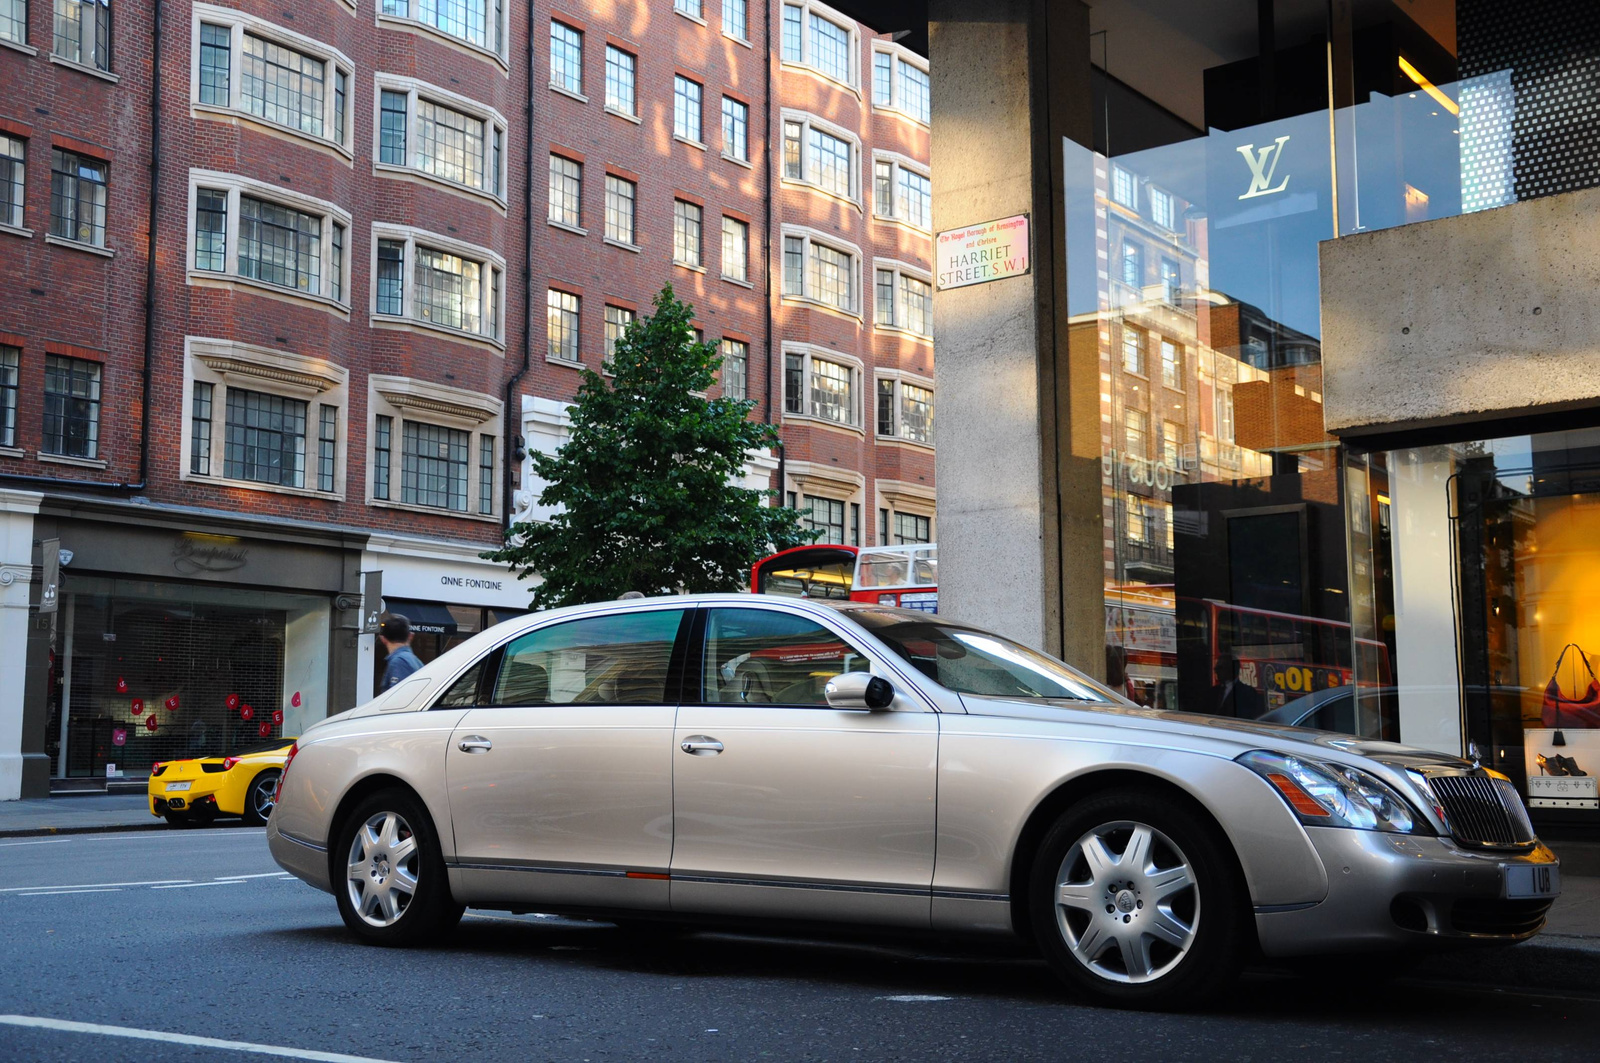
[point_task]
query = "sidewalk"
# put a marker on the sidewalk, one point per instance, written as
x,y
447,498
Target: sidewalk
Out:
x,y
77,815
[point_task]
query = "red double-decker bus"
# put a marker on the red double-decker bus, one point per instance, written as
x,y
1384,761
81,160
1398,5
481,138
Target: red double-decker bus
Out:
x,y
903,576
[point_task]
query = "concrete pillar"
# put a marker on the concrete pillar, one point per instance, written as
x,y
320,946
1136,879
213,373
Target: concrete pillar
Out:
x,y
17,510
1021,545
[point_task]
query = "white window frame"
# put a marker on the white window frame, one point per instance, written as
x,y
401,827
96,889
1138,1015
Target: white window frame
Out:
x,y
411,22
812,353
722,264
699,217
700,111
407,319
839,19
409,399
1158,194
744,379
897,324
416,90
235,187
681,7
898,54
807,297
898,162
742,38
21,43
809,121
727,149
1133,186
238,23
632,243
900,378
632,112
14,198
561,223
226,364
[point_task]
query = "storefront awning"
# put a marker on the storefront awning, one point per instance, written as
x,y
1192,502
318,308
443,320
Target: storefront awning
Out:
x,y
428,617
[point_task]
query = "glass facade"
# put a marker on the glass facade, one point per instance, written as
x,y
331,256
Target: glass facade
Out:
x,y
1253,562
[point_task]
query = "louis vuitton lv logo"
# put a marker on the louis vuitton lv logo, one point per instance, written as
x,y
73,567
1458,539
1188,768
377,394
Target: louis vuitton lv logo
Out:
x,y
1260,172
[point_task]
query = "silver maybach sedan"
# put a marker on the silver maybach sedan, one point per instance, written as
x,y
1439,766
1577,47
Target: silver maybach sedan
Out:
x,y
730,757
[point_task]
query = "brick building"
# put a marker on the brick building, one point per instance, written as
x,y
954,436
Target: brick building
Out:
x,y
318,369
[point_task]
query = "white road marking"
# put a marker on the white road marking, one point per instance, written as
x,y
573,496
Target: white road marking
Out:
x,y
66,893
39,841
264,874
94,885
193,885
182,1039
913,998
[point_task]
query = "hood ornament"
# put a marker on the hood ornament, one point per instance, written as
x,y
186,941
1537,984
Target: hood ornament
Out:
x,y
1473,755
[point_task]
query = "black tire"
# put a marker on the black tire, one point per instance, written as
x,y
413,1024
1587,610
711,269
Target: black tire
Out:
x,y
429,910
1187,941
258,798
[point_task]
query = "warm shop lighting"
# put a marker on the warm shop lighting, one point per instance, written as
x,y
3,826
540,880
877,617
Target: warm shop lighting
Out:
x,y
1429,87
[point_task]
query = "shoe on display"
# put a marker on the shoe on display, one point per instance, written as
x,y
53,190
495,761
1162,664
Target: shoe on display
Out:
x,y
1569,766
1551,765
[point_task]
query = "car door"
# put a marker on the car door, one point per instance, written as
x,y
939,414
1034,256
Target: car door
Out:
x,y
784,806
561,778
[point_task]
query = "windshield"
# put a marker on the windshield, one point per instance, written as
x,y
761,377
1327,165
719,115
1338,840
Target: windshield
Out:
x,y
263,747
970,661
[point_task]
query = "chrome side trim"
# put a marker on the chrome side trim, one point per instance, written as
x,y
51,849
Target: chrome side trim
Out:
x,y
794,884
1274,909
969,895
286,836
537,868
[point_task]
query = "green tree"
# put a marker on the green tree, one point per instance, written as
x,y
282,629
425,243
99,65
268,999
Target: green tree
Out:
x,y
646,482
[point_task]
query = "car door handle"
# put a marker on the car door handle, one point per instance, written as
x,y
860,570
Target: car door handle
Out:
x,y
701,746
476,744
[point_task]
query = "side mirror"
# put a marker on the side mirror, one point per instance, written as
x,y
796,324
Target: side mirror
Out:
x,y
859,690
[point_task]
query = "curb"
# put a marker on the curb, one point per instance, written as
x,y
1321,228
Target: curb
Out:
x,y
118,828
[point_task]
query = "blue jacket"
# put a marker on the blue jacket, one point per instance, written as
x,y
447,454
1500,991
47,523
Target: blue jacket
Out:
x,y
402,662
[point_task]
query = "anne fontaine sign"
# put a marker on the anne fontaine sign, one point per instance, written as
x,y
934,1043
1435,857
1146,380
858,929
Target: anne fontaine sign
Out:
x,y
976,254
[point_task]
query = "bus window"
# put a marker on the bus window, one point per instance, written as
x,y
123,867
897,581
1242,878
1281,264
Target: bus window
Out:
x,y
925,569
882,570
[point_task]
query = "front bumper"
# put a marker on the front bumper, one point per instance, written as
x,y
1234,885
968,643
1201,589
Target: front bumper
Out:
x,y
1389,890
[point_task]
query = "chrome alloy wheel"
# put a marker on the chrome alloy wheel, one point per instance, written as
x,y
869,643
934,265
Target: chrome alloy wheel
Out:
x,y
383,869
262,794
1126,902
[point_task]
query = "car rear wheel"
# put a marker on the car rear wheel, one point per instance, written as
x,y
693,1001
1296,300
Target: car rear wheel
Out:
x,y
259,798
392,889
1135,901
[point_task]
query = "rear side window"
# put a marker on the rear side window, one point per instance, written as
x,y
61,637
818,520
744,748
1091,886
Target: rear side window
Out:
x,y
463,693
604,660
764,657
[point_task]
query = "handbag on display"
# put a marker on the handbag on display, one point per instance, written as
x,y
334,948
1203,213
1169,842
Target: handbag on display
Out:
x,y
1561,711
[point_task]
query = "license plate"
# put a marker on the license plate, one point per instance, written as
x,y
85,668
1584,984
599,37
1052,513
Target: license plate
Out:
x,y
178,787
1532,880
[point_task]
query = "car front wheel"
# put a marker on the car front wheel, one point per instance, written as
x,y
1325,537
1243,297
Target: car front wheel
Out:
x,y
1135,901
392,888
258,801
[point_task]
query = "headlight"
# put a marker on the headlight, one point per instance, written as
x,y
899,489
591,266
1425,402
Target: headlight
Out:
x,y
1332,795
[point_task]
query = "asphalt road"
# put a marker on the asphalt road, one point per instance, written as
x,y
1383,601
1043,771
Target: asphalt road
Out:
x,y
196,933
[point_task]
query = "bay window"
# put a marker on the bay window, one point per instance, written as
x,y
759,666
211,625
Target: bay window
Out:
x,y
820,155
905,409
901,192
817,383
819,271
426,279
818,37
900,82
441,135
251,231
903,299
253,67
479,23
434,446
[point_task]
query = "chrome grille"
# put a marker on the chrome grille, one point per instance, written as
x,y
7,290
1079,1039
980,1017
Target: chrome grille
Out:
x,y
1482,810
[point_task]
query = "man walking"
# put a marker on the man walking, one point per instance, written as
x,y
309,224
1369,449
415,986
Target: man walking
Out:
x,y
395,633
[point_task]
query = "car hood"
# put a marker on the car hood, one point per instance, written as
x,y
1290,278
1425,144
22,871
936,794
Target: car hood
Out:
x,y
1243,734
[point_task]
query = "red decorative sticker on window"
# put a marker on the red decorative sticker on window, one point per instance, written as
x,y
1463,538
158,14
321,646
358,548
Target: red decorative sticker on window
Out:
x,y
122,685
172,703
295,701
265,729
138,706
232,701
277,716
246,712
151,722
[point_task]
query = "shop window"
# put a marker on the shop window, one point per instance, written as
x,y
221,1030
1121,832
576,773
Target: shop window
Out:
x,y
434,447
454,287
441,135
71,407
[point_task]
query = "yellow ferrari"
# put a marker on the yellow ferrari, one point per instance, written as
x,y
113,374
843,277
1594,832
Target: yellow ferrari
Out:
x,y
194,792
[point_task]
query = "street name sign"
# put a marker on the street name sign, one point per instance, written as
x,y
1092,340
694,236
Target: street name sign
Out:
x,y
977,254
